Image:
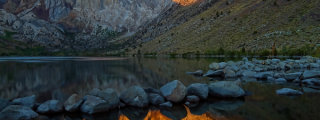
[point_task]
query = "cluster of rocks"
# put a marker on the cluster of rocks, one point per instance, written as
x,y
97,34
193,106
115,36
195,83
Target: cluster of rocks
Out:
x,y
306,70
98,101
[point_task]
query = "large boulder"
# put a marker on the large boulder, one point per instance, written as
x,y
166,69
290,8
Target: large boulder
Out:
x,y
226,89
50,107
73,103
311,74
174,91
135,96
288,91
25,101
211,73
155,99
93,104
198,89
17,112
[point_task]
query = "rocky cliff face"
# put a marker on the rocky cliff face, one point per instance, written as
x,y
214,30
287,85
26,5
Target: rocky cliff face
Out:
x,y
76,24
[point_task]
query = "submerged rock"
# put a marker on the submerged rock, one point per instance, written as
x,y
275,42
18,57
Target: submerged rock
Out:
x,y
25,101
226,89
73,103
50,107
155,99
198,89
288,91
174,91
17,112
211,73
135,96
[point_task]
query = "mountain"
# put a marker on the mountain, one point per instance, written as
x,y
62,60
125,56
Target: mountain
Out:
x,y
208,26
159,26
75,24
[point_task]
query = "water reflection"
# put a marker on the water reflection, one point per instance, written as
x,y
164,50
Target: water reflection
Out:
x,y
61,77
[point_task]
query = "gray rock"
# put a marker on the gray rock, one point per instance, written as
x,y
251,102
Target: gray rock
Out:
x,y
248,74
280,80
278,75
17,112
135,96
25,101
193,99
3,104
94,92
152,90
50,107
214,66
155,99
311,81
222,65
292,76
73,103
198,89
111,97
311,74
228,73
211,73
196,73
274,61
16,25
288,91
93,104
270,79
122,105
264,75
314,65
174,91
166,104
226,89
245,59
258,69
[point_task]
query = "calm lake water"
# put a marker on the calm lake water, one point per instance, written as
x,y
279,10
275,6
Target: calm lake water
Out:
x,y
59,77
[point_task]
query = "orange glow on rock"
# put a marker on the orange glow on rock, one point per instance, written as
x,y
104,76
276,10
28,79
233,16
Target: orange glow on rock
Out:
x,y
191,116
185,2
156,115
123,117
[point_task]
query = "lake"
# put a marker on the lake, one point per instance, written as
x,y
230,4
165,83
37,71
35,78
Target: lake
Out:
x,y
59,77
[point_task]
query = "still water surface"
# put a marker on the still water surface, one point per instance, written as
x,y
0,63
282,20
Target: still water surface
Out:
x,y
59,77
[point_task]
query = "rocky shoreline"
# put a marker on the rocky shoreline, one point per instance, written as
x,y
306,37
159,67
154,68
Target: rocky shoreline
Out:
x,y
175,92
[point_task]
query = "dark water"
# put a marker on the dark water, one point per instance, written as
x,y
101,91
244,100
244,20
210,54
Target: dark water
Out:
x,y
59,77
